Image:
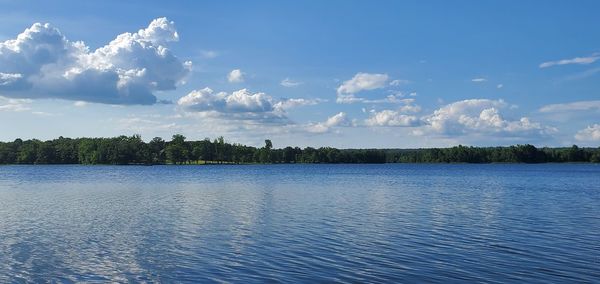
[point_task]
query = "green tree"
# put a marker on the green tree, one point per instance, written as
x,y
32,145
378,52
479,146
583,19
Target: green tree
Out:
x,y
177,151
28,152
88,153
156,147
265,152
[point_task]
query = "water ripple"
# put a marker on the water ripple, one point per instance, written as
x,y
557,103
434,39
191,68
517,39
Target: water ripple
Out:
x,y
300,223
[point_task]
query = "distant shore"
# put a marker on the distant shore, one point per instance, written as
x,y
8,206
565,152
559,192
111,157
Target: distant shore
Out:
x,y
132,150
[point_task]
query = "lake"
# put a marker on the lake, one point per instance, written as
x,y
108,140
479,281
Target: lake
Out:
x,y
417,223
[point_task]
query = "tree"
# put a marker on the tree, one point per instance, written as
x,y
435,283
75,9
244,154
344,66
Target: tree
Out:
x,y
156,147
176,150
289,155
220,149
265,152
87,151
28,152
595,158
45,153
133,150
575,154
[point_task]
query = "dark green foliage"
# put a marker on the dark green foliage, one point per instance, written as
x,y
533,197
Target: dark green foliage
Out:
x,y
178,151
124,150
156,148
265,155
512,154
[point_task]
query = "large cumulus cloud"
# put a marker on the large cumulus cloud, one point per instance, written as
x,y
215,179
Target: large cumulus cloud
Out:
x,y
42,63
480,116
242,105
236,102
590,134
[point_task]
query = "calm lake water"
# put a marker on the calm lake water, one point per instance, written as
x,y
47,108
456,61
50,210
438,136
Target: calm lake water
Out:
x,y
300,223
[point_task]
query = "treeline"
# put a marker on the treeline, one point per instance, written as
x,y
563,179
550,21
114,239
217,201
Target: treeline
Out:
x,y
125,150
512,154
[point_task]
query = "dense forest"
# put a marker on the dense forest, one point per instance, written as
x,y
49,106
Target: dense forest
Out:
x,y
125,150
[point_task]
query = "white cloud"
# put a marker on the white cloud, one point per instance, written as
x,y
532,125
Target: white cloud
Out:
x,y
235,76
340,119
576,60
235,102
390,99
391,118
287,82
43,113
348,99
293,103
499,86
9,78
480,116
240,105
160,31
80,103
590,133
572,107
42,63
8,104
479,80
360,82
409,107
398,82
13,107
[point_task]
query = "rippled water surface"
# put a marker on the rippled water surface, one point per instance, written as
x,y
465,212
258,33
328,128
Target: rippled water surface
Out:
x,y
300,223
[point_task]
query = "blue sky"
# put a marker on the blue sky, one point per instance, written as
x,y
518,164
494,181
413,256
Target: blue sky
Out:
x,y
313,73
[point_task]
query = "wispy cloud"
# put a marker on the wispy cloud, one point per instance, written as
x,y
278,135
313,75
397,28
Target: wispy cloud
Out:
x,y
209,54
286,104
43,113
583,75
7,104
479,80
399,82
572,107
393,99
287,82
577,60
141,124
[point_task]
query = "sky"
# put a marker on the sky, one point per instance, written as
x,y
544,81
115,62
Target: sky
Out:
x,y
347,74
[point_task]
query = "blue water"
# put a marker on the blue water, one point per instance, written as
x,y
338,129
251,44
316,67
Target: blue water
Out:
x,y
300,223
